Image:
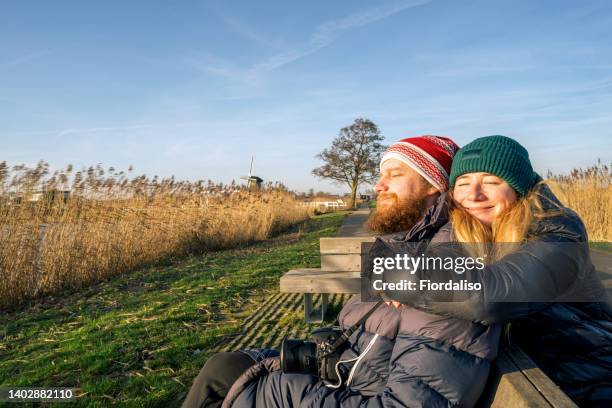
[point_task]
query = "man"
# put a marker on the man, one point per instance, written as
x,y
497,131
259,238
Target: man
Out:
x,y
413,173
400,356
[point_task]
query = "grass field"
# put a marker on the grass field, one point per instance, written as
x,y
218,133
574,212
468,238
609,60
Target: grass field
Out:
x,y
140,339
601,246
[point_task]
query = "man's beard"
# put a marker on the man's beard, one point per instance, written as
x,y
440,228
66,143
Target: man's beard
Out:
x,y
402,215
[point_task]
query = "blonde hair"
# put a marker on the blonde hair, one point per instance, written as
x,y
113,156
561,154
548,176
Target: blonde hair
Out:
x,y
510,228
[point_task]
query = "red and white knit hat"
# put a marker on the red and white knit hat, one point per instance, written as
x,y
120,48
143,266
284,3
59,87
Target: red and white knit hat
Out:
x,y
430,156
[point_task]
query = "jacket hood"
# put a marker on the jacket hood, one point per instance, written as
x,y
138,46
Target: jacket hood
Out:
x,y
560,220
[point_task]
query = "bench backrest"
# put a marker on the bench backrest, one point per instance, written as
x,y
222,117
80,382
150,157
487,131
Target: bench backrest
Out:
x,y
342,254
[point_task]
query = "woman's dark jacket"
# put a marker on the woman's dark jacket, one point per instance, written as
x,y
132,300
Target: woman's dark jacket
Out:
x,y
399,358
564,317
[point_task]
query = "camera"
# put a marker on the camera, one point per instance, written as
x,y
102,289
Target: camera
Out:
x,y
316,358
320,357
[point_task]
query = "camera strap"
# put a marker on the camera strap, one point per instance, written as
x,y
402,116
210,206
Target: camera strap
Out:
x,y
348,332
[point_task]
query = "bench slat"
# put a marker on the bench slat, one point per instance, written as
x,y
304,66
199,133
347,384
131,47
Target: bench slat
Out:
x,y
341,263
342,245
508,387
313,280
545,386
516,381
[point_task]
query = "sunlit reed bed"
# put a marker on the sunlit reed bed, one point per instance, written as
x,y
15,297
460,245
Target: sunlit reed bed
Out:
x,y
112,223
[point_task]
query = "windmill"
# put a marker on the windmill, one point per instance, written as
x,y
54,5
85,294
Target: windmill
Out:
x,y
252,181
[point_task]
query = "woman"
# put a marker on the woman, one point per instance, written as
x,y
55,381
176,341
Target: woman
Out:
x,y
540,255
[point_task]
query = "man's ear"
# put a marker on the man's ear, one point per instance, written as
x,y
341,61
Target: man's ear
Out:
x,y
431,190
432,196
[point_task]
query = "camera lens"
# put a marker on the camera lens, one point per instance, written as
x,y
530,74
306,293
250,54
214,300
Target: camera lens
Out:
x,y
298,356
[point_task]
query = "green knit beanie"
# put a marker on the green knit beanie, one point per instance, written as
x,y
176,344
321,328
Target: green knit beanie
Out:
x,y
498,155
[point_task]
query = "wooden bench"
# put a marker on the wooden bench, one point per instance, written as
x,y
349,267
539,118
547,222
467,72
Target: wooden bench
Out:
x,y
339,273
515,380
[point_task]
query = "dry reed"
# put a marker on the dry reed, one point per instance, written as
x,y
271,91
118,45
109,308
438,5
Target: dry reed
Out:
x,y
112,223
589,193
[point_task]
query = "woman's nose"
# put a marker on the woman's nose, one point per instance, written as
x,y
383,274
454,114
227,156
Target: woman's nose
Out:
x,y
475,193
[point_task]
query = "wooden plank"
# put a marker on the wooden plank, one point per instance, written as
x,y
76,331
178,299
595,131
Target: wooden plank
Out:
x,y
342,245
517,381
339,263
508,387
549,390
310,280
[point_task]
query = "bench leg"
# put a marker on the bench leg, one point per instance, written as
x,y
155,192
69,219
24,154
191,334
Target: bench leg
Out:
x,y
323,305
311,315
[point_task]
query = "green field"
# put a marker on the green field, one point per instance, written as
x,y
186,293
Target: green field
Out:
x,y
601,246
139,340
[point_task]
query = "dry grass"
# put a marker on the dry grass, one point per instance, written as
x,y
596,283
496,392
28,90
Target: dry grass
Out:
x,y
589,193
113,223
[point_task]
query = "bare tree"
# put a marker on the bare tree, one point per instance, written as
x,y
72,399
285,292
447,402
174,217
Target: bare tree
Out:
x,y
353,156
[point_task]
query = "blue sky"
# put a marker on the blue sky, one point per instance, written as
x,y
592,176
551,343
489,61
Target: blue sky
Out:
x,y
194,88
